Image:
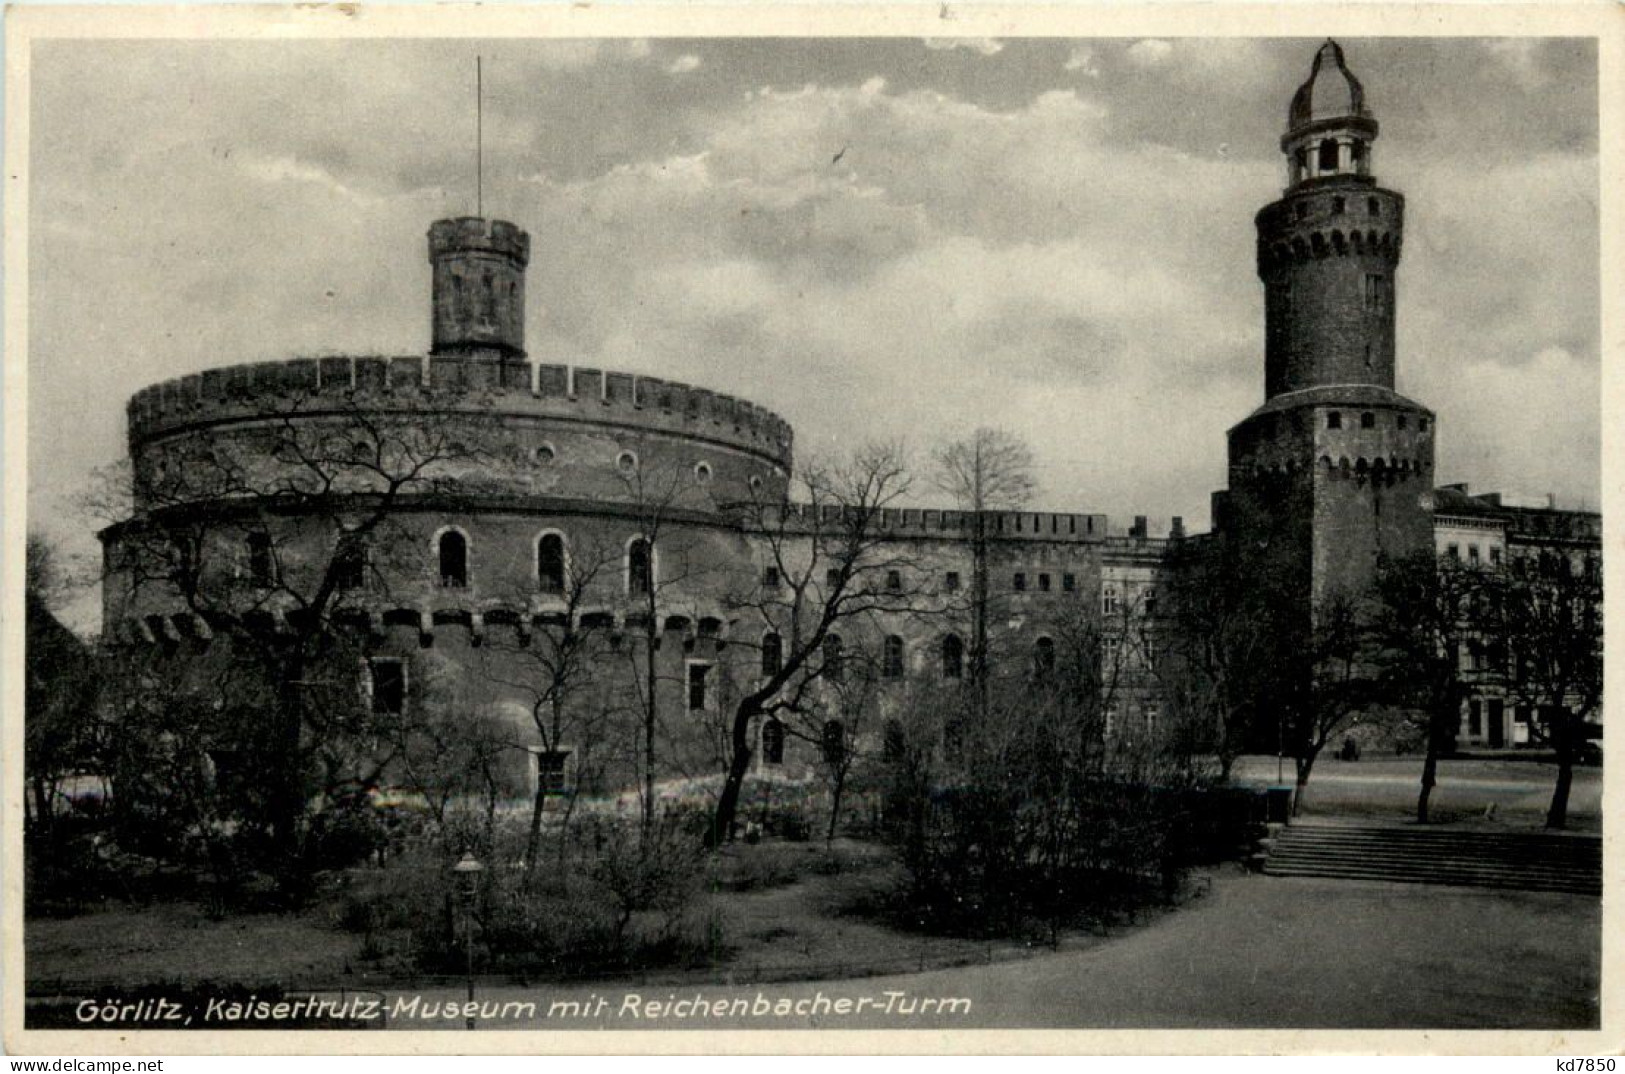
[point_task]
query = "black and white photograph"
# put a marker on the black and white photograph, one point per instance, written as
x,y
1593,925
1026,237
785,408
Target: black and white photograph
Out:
x,y
563,529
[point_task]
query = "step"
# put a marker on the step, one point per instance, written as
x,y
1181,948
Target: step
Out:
x,y
1406,855
1512,876
1353,873
1533,861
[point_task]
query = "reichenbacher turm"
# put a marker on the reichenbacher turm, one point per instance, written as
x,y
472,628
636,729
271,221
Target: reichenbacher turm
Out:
x,y
531,473
1336,468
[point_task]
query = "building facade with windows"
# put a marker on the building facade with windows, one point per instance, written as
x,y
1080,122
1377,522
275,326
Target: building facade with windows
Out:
x,y
448,508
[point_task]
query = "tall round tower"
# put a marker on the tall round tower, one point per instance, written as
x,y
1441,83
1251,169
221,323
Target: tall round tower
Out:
x,y
479,287
1334,471
1329,247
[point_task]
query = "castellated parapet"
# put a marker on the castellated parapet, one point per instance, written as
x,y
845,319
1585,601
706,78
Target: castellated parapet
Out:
x,y
529,396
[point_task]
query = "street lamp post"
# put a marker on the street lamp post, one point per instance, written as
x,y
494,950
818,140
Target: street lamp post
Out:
x,y
467,871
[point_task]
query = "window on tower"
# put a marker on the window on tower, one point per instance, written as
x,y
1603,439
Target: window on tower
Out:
x,y
1368,420
1334,420
1328,156
1373,207
1339,205
1375,288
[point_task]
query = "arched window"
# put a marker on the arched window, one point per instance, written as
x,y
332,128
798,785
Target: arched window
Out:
x,y
953,657
773,742
834,742
1328,155
772,654
639,567
261,564
1044,657
893,664
834,658
550,563
453,560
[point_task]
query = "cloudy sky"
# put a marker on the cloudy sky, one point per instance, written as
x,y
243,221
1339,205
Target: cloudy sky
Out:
x,y
897,237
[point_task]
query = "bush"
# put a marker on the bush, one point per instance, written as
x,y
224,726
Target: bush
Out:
x,y
627,900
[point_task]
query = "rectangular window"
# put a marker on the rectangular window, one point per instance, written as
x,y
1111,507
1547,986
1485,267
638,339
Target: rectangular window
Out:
x,y
1043,583
350,567
1069,583
1495,556
1475,718
1368,420
696,686
1019,582
261,561
1376,288
1453,551
1109,648
1108,600
770,578
386,685
832,578
894,581
950,581
1334,420
1472,554
1402,421
550,770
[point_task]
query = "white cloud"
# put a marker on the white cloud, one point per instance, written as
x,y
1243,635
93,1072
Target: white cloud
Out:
x,y
1520,57
1150,52
1083,59
987,46
683,64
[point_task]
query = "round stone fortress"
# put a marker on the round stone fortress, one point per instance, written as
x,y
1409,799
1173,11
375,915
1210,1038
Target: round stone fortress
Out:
x,y
523,480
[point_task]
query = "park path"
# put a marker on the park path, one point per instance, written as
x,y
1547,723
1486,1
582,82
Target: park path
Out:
x,y
1255,952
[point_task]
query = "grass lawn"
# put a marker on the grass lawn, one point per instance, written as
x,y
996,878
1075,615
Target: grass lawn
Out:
x,y
1489,792
178,942
789,911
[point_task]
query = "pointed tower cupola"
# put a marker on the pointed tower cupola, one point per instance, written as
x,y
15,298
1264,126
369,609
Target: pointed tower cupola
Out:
x,y
1328,130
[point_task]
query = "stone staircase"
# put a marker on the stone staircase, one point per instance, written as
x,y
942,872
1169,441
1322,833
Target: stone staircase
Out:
x,y
1532,861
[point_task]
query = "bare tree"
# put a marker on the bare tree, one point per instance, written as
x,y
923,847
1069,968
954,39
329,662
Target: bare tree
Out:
x,y
1221,629
1323,684
838,717
556,669
660,562
61,681
1547,618
990,470
273,539
1424,622
829,567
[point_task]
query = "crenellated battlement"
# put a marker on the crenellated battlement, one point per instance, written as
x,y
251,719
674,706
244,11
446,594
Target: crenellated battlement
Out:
x,y
1335,222
1001,526
303,385
466,234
